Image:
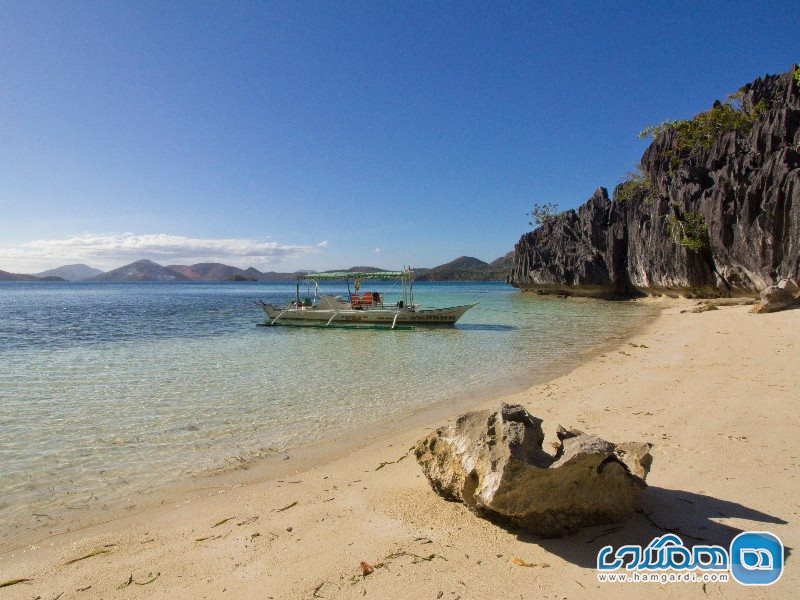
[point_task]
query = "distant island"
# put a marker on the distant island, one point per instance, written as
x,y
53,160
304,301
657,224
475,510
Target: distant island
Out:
x,y
79,272
6,276
463,268
468,268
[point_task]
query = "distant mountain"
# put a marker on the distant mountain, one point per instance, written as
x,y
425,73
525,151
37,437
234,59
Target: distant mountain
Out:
x,y
220,272
212,272
467,268
363,270
504,262
185,270
463,268
273,275
142,270
464,263
6,276
79,272
253,272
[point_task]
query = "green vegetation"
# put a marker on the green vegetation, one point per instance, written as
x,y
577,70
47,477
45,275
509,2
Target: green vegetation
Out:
x,y
797,75
704,129
543,214
637,184
689,230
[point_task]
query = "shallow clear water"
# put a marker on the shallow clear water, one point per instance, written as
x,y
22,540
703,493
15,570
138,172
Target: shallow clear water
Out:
x,y
105,388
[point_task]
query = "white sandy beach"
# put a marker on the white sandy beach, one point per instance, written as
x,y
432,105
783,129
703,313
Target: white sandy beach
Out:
x,y
716,393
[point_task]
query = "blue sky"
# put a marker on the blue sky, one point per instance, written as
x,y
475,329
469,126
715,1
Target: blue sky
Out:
x,y
311,134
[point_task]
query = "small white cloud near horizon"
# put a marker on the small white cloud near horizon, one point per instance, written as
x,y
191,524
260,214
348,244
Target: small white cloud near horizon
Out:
x,y
109,251
377,250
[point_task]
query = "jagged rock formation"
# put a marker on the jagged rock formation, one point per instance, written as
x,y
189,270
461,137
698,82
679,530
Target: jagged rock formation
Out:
x,y
493,462
746,186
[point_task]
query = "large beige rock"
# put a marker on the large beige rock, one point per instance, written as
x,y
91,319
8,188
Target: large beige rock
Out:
x,y
790,285
493,462
774,298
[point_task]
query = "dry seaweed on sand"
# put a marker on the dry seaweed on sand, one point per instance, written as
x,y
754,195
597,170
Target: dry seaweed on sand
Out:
x,y
287,507
521,563
11,582
130,580
415,558
212,537
97,552
423,540
367,569
222,522
149,581
393,462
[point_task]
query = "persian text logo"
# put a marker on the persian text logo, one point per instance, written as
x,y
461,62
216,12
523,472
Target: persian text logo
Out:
x,y
756,558
665,553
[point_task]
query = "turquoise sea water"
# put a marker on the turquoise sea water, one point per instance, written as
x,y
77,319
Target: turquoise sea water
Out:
x,y
106,388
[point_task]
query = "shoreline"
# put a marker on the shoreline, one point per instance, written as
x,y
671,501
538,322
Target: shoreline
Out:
x,y
264,468
685,382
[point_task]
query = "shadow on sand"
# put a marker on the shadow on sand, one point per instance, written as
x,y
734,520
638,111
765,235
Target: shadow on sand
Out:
x,y
691,516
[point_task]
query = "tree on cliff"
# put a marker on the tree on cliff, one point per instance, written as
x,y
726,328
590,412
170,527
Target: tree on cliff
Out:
x,y
543,214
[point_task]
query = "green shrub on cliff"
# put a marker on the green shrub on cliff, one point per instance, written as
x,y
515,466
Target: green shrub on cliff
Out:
x,y
689,230
797,75
637,184
543,214
704,129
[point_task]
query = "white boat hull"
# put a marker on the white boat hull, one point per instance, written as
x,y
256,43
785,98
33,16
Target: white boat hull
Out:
x,y
383,316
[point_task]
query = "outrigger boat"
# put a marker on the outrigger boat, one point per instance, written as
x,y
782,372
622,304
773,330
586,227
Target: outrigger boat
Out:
x,y
367,310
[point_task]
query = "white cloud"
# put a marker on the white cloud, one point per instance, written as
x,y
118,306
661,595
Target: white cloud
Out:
x,y
323,244
377,250
113,250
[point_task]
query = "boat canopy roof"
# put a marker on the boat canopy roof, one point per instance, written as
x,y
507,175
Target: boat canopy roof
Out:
x,y
358,275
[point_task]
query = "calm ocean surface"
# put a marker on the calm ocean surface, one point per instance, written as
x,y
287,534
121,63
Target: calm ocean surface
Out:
x,y
108,388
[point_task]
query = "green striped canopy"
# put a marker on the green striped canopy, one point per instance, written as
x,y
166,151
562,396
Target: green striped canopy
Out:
x,y
357,275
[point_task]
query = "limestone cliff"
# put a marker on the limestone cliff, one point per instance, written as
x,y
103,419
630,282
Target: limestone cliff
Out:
x,y
742,187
